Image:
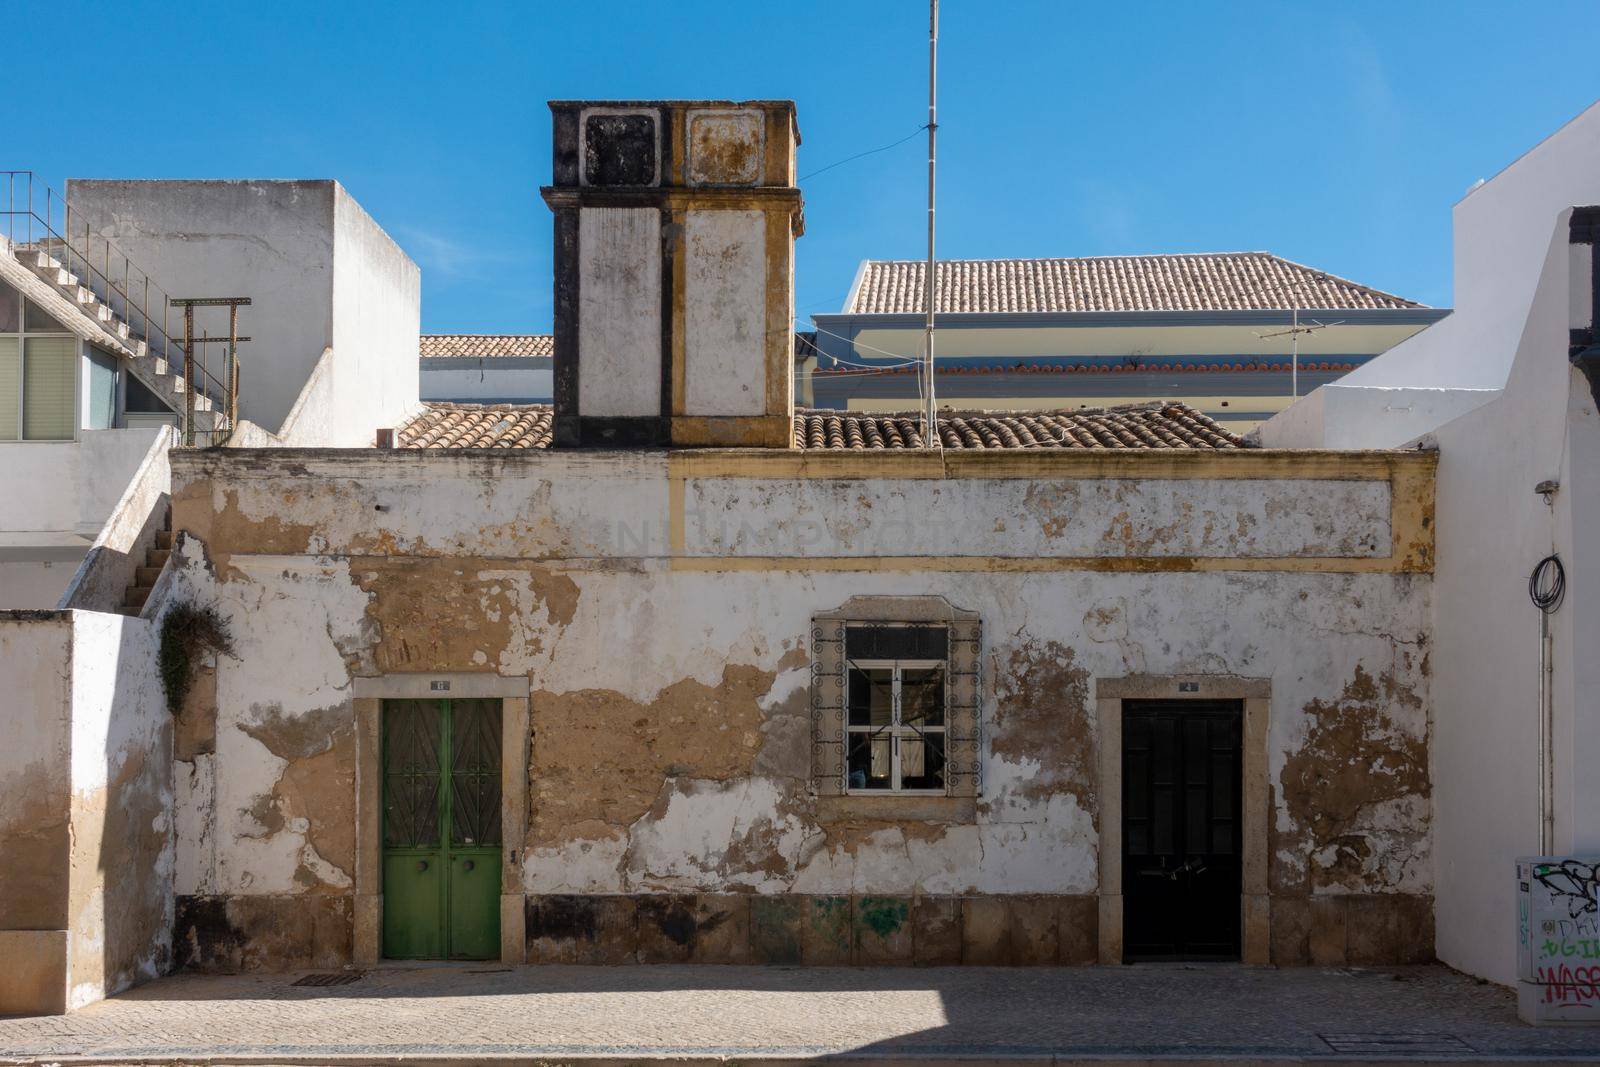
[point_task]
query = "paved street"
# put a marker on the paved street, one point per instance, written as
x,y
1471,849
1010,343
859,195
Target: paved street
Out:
x,y
432,1013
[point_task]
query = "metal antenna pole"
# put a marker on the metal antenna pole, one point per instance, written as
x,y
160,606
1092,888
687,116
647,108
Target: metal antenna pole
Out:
x,y
931,415
1294,355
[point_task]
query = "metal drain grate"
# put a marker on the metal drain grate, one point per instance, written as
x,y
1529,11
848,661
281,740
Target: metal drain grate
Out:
x,y
1356,1044
333,978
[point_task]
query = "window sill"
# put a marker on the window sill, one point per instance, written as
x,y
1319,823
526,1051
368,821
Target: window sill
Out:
x,y
898,807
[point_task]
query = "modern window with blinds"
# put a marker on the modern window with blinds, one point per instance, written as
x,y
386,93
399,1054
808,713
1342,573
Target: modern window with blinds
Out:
x,y
49,379
39,374
10,387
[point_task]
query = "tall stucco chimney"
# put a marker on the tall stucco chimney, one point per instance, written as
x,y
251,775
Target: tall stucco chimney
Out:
x,y
674,271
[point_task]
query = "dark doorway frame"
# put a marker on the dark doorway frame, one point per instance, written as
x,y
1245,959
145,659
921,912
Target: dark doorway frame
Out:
x,y
1182,834
1256,693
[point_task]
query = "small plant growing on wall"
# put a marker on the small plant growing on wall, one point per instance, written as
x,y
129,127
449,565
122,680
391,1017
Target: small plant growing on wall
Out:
x,y
187,634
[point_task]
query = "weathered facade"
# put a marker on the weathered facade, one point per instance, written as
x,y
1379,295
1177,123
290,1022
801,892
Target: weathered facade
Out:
x,y
658,627
570,684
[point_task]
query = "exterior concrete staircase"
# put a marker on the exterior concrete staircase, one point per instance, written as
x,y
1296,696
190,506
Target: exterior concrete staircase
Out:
x,y
154,369
145,577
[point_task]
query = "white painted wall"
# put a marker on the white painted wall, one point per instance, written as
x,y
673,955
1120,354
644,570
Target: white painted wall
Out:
x,y
619,311
1034,341
725,313
1516,293
59,495
272,241
1502,236
1492,530
68,486
39,482
377,308
122,801
320,274
1341,416
37,583
488,379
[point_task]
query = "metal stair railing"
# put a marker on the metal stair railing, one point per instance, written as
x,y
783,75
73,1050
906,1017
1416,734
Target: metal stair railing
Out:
x,y
63,239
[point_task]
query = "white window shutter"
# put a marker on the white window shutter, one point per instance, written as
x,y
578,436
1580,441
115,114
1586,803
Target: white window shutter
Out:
x,y
49,395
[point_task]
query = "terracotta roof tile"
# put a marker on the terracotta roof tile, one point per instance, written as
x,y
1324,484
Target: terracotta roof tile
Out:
x,y
1225,281
471,345
477,426
1157,425
1136,426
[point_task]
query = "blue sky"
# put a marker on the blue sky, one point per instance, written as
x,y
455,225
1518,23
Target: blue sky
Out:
x,y
1337,135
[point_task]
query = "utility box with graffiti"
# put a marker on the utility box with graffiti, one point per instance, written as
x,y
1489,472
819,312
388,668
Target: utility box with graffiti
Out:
x,y
1558,939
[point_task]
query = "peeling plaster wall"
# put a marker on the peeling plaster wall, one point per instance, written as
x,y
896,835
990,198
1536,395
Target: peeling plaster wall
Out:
x,y
86,806
120,904
725,312
670,708
619,311
35,774
1025,518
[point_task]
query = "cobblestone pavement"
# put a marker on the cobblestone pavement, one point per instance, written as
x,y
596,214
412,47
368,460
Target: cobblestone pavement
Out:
x,y
447,1013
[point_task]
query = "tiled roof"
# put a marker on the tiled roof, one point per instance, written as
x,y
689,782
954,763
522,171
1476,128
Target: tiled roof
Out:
x,y
477,426
1107,365
468,345
1157,425
1154,425
1226,281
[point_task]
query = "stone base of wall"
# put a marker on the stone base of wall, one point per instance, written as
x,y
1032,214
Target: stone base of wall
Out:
x,y
247,933
263,933
1359,929
33,972
813,930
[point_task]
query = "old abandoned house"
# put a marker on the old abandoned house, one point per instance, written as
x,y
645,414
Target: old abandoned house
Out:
x,y
670,671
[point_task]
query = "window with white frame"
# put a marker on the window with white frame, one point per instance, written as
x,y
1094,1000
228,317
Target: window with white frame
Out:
x,y
896,708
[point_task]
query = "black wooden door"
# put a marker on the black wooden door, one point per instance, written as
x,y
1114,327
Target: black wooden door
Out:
x,y
1181,841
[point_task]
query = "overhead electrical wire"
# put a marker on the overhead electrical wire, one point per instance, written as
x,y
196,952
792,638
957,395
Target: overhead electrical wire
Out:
x,y
863,155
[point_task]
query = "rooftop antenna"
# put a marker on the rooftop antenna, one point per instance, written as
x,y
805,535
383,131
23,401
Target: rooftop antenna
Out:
x,y
930,415
1294,331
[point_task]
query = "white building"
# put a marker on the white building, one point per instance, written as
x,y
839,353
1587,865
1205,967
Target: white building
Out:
x,y
91,355
1498,389
506,368
1215,331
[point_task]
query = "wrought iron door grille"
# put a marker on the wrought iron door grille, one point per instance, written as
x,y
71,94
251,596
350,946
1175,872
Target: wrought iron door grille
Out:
x,y
475,772
411,774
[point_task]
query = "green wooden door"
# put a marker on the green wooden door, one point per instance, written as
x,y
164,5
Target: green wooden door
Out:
x,y
441,829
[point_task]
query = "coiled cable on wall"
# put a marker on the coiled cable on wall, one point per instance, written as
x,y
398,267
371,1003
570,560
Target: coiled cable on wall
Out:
x,y
1547,585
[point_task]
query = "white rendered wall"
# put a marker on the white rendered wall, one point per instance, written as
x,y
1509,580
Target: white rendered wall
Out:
x,y
1502,233
272,241
1492,529
1492,387
68,486
1341,416
37,583
725,313
377,308
489,379
619,311
320,274
121,903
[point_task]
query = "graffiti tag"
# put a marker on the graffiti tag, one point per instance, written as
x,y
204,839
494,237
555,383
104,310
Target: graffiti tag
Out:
x,y
1570,985
1572,882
